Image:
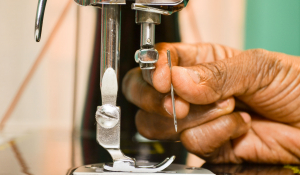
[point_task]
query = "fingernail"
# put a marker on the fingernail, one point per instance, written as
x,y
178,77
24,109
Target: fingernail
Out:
x,y
246,117
223,103
167,103
194,75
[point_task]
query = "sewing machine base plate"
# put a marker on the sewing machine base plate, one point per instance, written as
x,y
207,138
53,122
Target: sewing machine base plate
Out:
x,y
97,169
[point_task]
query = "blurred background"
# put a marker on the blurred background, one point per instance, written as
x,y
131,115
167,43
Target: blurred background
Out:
x,y
44,86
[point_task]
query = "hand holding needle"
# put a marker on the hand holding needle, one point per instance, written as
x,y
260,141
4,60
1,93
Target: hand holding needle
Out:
x,y
172,90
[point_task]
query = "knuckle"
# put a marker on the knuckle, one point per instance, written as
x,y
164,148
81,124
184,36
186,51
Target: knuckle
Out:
x,y
193,143
217,73
189,141
267,66
259,53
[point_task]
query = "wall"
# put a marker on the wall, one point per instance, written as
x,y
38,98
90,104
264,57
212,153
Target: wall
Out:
x,y
273,25
47,100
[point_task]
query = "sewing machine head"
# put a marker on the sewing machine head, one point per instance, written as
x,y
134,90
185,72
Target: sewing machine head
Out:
x,y
148,14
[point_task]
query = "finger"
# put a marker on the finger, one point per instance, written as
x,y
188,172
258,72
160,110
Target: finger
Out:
x,y
241,75
207,139
140,93
162,128
183,55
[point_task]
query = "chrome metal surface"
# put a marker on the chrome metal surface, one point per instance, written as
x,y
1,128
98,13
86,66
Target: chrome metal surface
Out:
x,y
108,116
147,56
97,169
160,8
143,7
159,2
172,90
120,2
99,2
147,17
147,35
39,19
108,137
122,166
109,85
110,39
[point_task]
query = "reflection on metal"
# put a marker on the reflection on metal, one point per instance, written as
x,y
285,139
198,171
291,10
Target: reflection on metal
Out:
x,y
99,2
143,7
108,116
172,90
147,56
109,87
98,169
160,2
110,39
19,157
39,19
132,168
160,8
108,136
120,2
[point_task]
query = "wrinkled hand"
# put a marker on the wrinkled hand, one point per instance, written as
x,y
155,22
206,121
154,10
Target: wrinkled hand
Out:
x,y
206,78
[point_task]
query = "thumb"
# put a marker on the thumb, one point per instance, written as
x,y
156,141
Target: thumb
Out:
x,y
241,75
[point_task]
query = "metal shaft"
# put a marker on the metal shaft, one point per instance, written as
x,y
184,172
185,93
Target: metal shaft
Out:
x,y
108,116
147,35
110,53
110,39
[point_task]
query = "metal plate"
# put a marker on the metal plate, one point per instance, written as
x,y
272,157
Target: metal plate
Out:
x,y
98,2
97,169
159,2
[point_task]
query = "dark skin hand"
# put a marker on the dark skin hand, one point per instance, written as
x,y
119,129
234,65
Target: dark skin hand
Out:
x,y
210,81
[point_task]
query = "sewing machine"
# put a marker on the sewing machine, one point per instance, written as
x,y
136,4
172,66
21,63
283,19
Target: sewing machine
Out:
x,y
148,14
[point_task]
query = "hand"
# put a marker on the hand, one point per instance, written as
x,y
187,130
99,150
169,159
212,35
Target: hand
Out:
x,y
157,106
267,82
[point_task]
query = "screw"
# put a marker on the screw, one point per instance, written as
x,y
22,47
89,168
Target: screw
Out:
x,y
149,40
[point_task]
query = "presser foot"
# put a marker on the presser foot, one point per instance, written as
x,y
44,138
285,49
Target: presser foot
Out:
x,y
108,136
118,166
98,169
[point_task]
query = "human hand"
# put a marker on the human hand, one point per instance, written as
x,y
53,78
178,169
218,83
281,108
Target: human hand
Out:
x,y
268,82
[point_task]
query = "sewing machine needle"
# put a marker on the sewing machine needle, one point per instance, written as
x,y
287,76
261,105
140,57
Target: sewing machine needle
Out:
x,y
172,91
